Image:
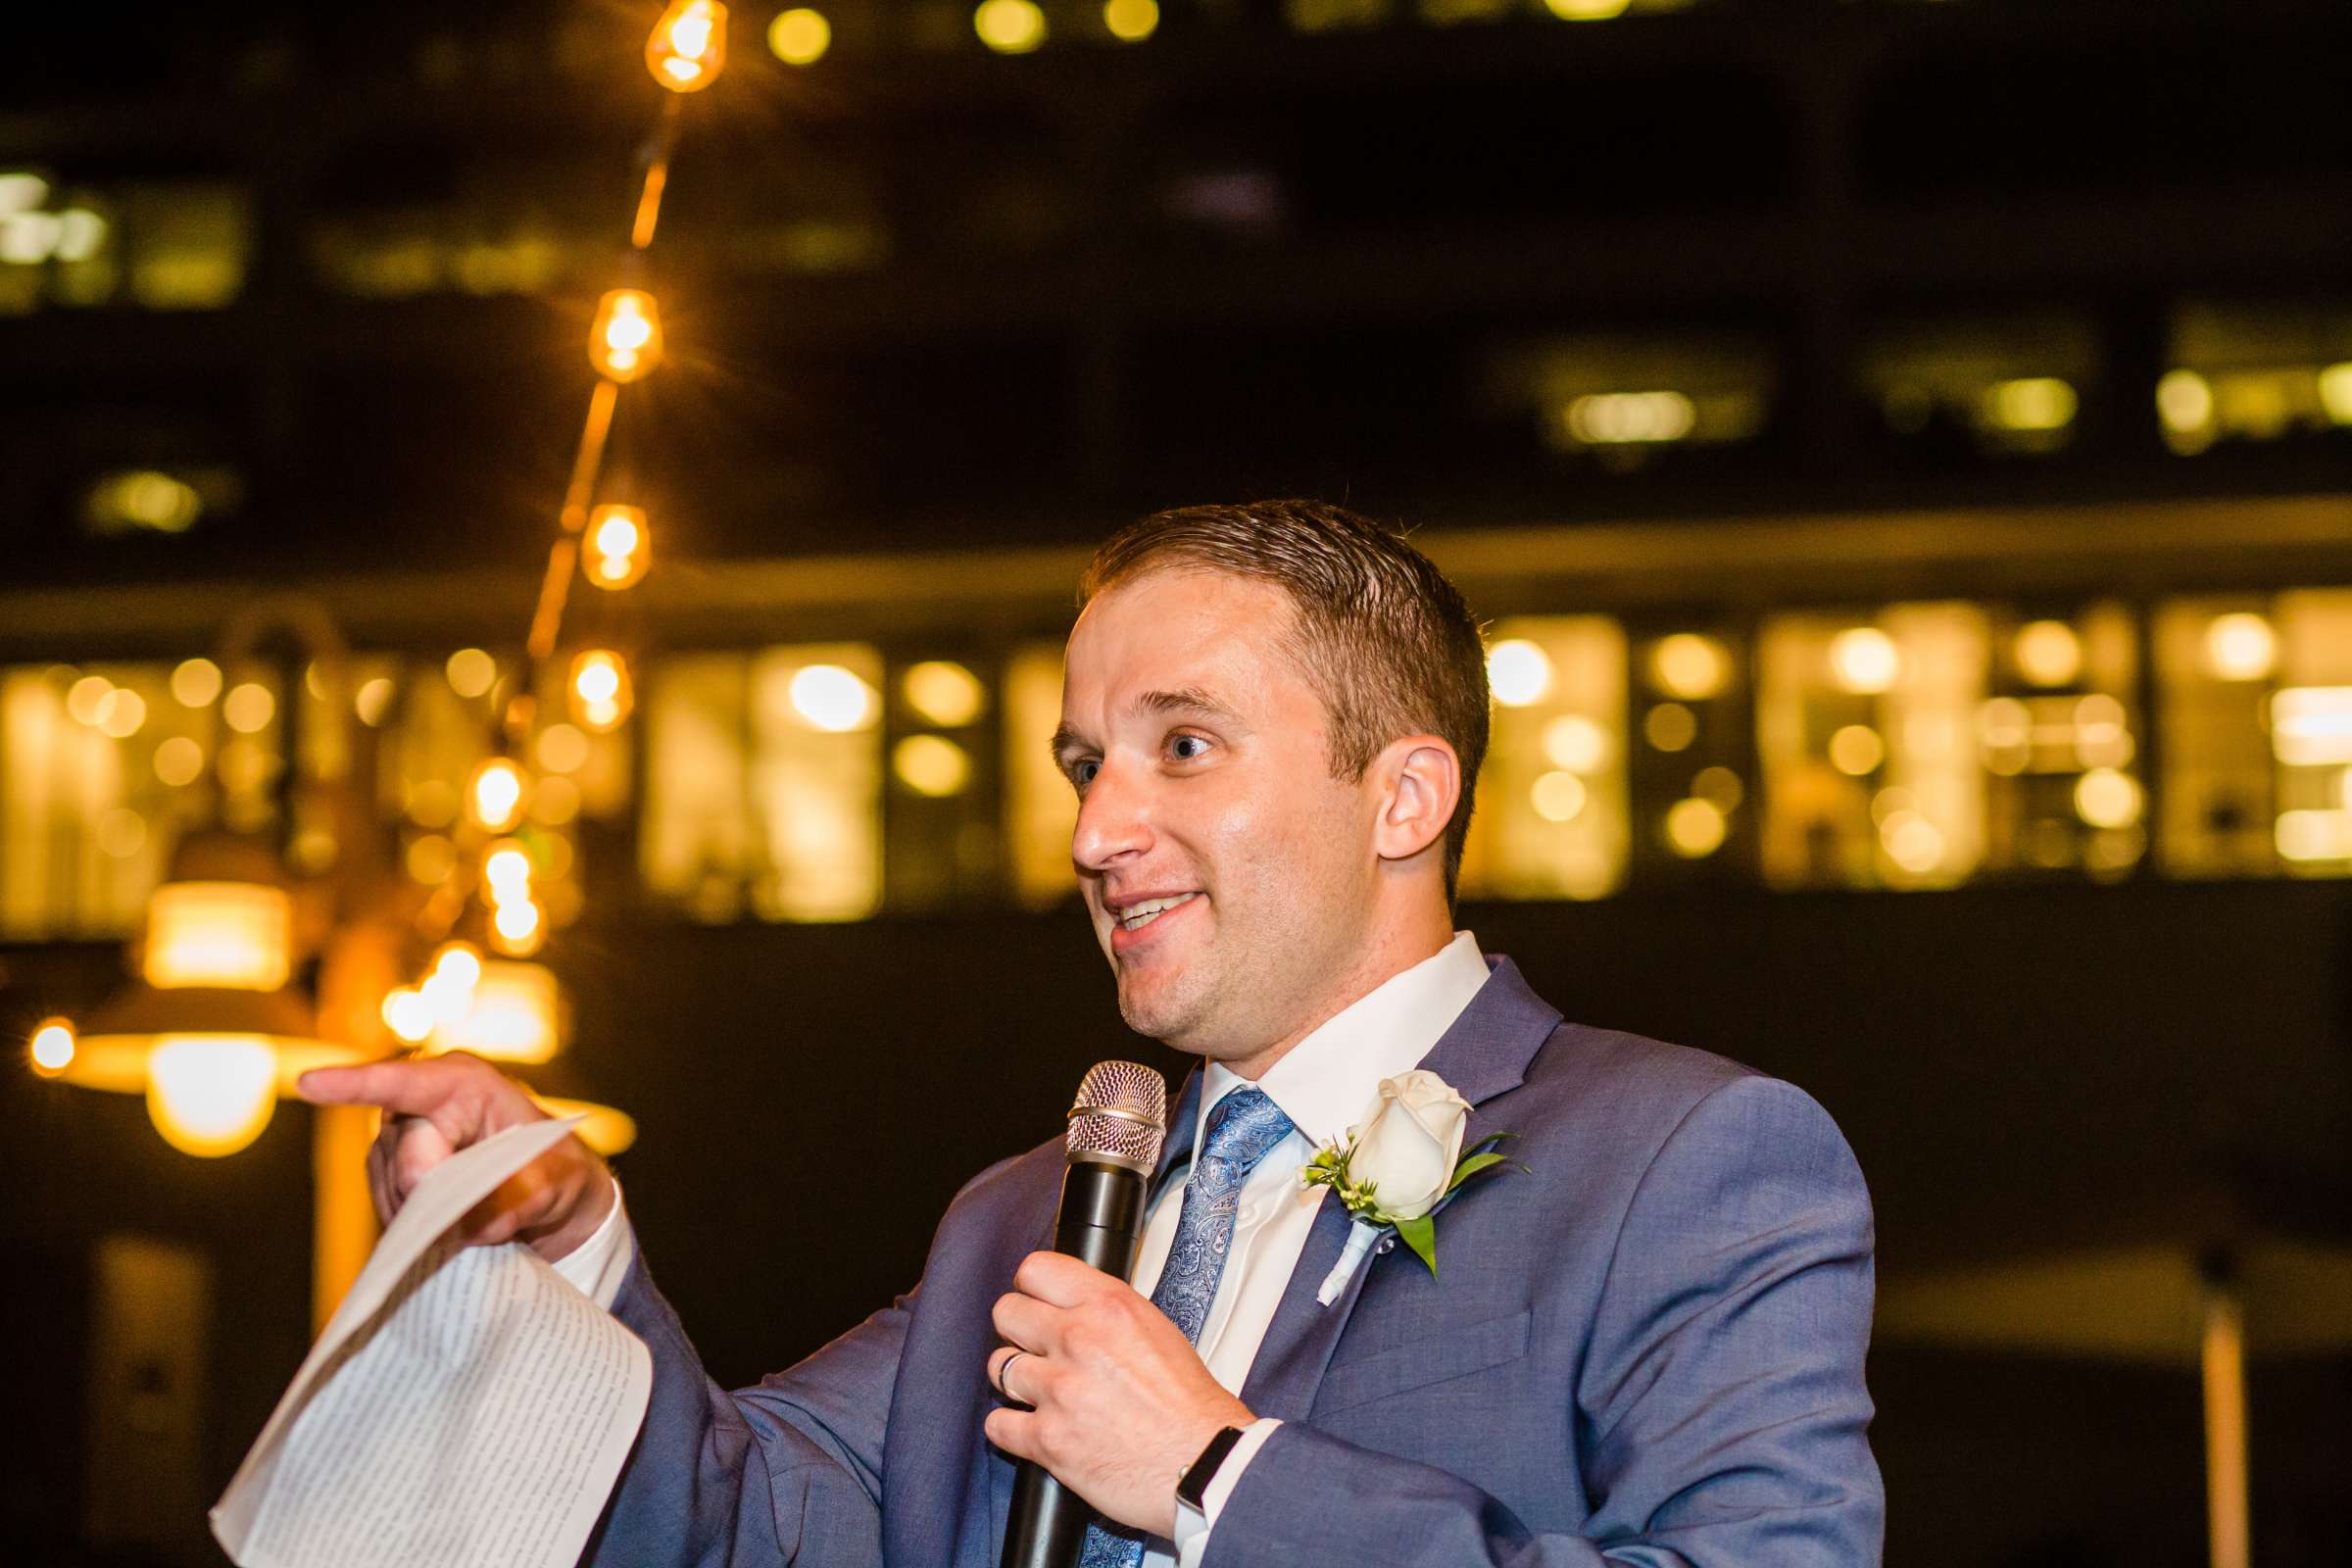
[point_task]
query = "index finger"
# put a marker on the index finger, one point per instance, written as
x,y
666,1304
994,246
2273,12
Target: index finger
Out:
x,y
411,1088
1057,1279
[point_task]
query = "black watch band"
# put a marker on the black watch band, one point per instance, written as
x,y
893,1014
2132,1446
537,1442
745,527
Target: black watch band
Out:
x,y
1195,1486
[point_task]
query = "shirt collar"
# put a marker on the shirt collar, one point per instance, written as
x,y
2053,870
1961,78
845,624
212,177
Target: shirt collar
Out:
x,y
1325,1082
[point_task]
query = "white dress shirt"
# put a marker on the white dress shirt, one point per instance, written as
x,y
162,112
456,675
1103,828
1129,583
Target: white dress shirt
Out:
x,y
1324,1084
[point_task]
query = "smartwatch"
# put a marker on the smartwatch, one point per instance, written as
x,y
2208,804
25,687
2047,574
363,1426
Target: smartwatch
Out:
x,y
1193,1488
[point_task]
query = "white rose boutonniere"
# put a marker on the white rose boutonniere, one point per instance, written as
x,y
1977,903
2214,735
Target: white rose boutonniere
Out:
x,y
1400,1165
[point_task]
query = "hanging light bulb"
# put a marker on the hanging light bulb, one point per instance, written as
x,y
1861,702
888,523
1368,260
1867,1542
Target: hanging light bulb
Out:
x,y
625,340
507,871
619,546
495,796
517,928
211,1095
689,45
601,694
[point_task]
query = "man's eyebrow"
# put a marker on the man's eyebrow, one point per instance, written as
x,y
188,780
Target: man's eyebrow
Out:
x,y
1185,700
1067,742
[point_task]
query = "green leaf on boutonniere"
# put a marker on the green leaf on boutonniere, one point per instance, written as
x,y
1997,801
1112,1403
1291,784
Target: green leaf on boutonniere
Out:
x,y
1472,1166
1421,1235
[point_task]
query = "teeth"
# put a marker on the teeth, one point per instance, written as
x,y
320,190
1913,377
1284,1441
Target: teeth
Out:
x,y
1142,914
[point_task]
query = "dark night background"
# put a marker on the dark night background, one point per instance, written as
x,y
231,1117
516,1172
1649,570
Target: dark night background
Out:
x,y
932,298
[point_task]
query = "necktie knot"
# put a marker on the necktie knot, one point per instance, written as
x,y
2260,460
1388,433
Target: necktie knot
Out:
x,y
1242,1127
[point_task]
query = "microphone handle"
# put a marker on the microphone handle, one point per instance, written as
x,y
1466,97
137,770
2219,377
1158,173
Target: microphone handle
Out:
x,y
1101,1224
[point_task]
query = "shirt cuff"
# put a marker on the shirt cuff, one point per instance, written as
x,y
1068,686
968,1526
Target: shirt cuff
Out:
x,y
596,1267
1193,1528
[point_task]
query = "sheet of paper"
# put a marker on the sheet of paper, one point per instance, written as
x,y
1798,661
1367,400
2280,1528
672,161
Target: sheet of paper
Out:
x,y
466,1406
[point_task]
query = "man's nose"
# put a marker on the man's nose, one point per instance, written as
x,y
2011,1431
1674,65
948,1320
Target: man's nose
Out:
x,y
1114,820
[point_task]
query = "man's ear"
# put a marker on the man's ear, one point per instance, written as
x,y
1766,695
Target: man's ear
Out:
x,y
1420,784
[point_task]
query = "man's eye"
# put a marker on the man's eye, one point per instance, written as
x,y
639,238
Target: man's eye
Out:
x,y
1187,747
1083,773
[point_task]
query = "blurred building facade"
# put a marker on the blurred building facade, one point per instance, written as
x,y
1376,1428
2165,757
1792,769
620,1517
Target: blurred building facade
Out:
x,y
1901,448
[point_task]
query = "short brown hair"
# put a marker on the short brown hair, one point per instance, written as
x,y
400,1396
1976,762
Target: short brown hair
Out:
x,y
1386,641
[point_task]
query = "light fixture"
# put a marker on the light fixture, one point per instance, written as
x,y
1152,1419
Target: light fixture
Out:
x,y
600,690
688,48
624,342
620,548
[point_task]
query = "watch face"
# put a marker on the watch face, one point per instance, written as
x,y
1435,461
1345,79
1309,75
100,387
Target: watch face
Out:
x,y
1193,1488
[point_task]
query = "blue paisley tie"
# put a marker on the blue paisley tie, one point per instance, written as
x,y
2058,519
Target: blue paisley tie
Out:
x,y
1242,1127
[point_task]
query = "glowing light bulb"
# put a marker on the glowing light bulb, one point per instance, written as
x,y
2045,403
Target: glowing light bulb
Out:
x,y
507,870
2240,647
688,48
800,36
53,1045
625,340
211,1095
601,693
1518,671
408,1015
943,692
1864,660
832,698
619,546
1010,26
1131,21
516,928
494,797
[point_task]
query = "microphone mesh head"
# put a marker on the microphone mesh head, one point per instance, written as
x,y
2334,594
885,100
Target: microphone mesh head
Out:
x,y
1120,1114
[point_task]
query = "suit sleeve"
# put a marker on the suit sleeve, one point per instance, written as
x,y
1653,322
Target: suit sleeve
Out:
x,y
1721,1409
788,1472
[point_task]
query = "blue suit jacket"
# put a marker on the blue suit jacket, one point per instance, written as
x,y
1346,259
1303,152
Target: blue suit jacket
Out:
x,y
1647,1349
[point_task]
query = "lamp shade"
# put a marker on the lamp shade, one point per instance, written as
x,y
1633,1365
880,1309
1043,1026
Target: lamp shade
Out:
x,y
233,935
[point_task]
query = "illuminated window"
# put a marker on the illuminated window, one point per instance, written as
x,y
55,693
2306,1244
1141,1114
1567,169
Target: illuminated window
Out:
x,y
2255,375
1551,819
2257,714
942,844
2058,737
2015,385
1041,810
1865,736
1690,758
1621,401
763,786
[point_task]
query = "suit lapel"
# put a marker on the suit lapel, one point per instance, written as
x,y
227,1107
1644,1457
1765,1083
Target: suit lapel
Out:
x,y
1483,1055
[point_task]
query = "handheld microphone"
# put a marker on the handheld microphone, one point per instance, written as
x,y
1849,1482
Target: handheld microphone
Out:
x,y
1116,1126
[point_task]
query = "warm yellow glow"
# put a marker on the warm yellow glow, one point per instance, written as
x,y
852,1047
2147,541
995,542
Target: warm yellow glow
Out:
x,y
195,682
52,1047
1856,750
494,796
619,549
2101,738
248,708
2184,402
515,1015
211,1095
122,712
2335,392
625,341
1586,10
1720,785
555,801
121,832
1518,672
430,858
86,697
800,36
2105,798
506,869
1688,667
1576,743
1864,660
2240,647
1912,842
601,694
1010,26
408,1015
943,692
1131,20
2048,653
2314,835
2033,402
832,698
372,699
515,928
470,671
21,192
238,935
2311,726
931,764
1670,727
688,48
1558,796
1694,828
563,748
1623,419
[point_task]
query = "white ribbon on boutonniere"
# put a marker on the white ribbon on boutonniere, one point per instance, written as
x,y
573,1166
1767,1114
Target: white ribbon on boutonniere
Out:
x,y
1397,1168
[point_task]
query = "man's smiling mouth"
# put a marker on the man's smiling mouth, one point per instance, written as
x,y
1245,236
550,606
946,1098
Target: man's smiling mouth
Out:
x,y
1135,916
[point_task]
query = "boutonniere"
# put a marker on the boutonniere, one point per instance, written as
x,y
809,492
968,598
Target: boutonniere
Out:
x,y
1396,1170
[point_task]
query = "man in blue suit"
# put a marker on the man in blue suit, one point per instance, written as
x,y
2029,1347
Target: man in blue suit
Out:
x,y
1644,1346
